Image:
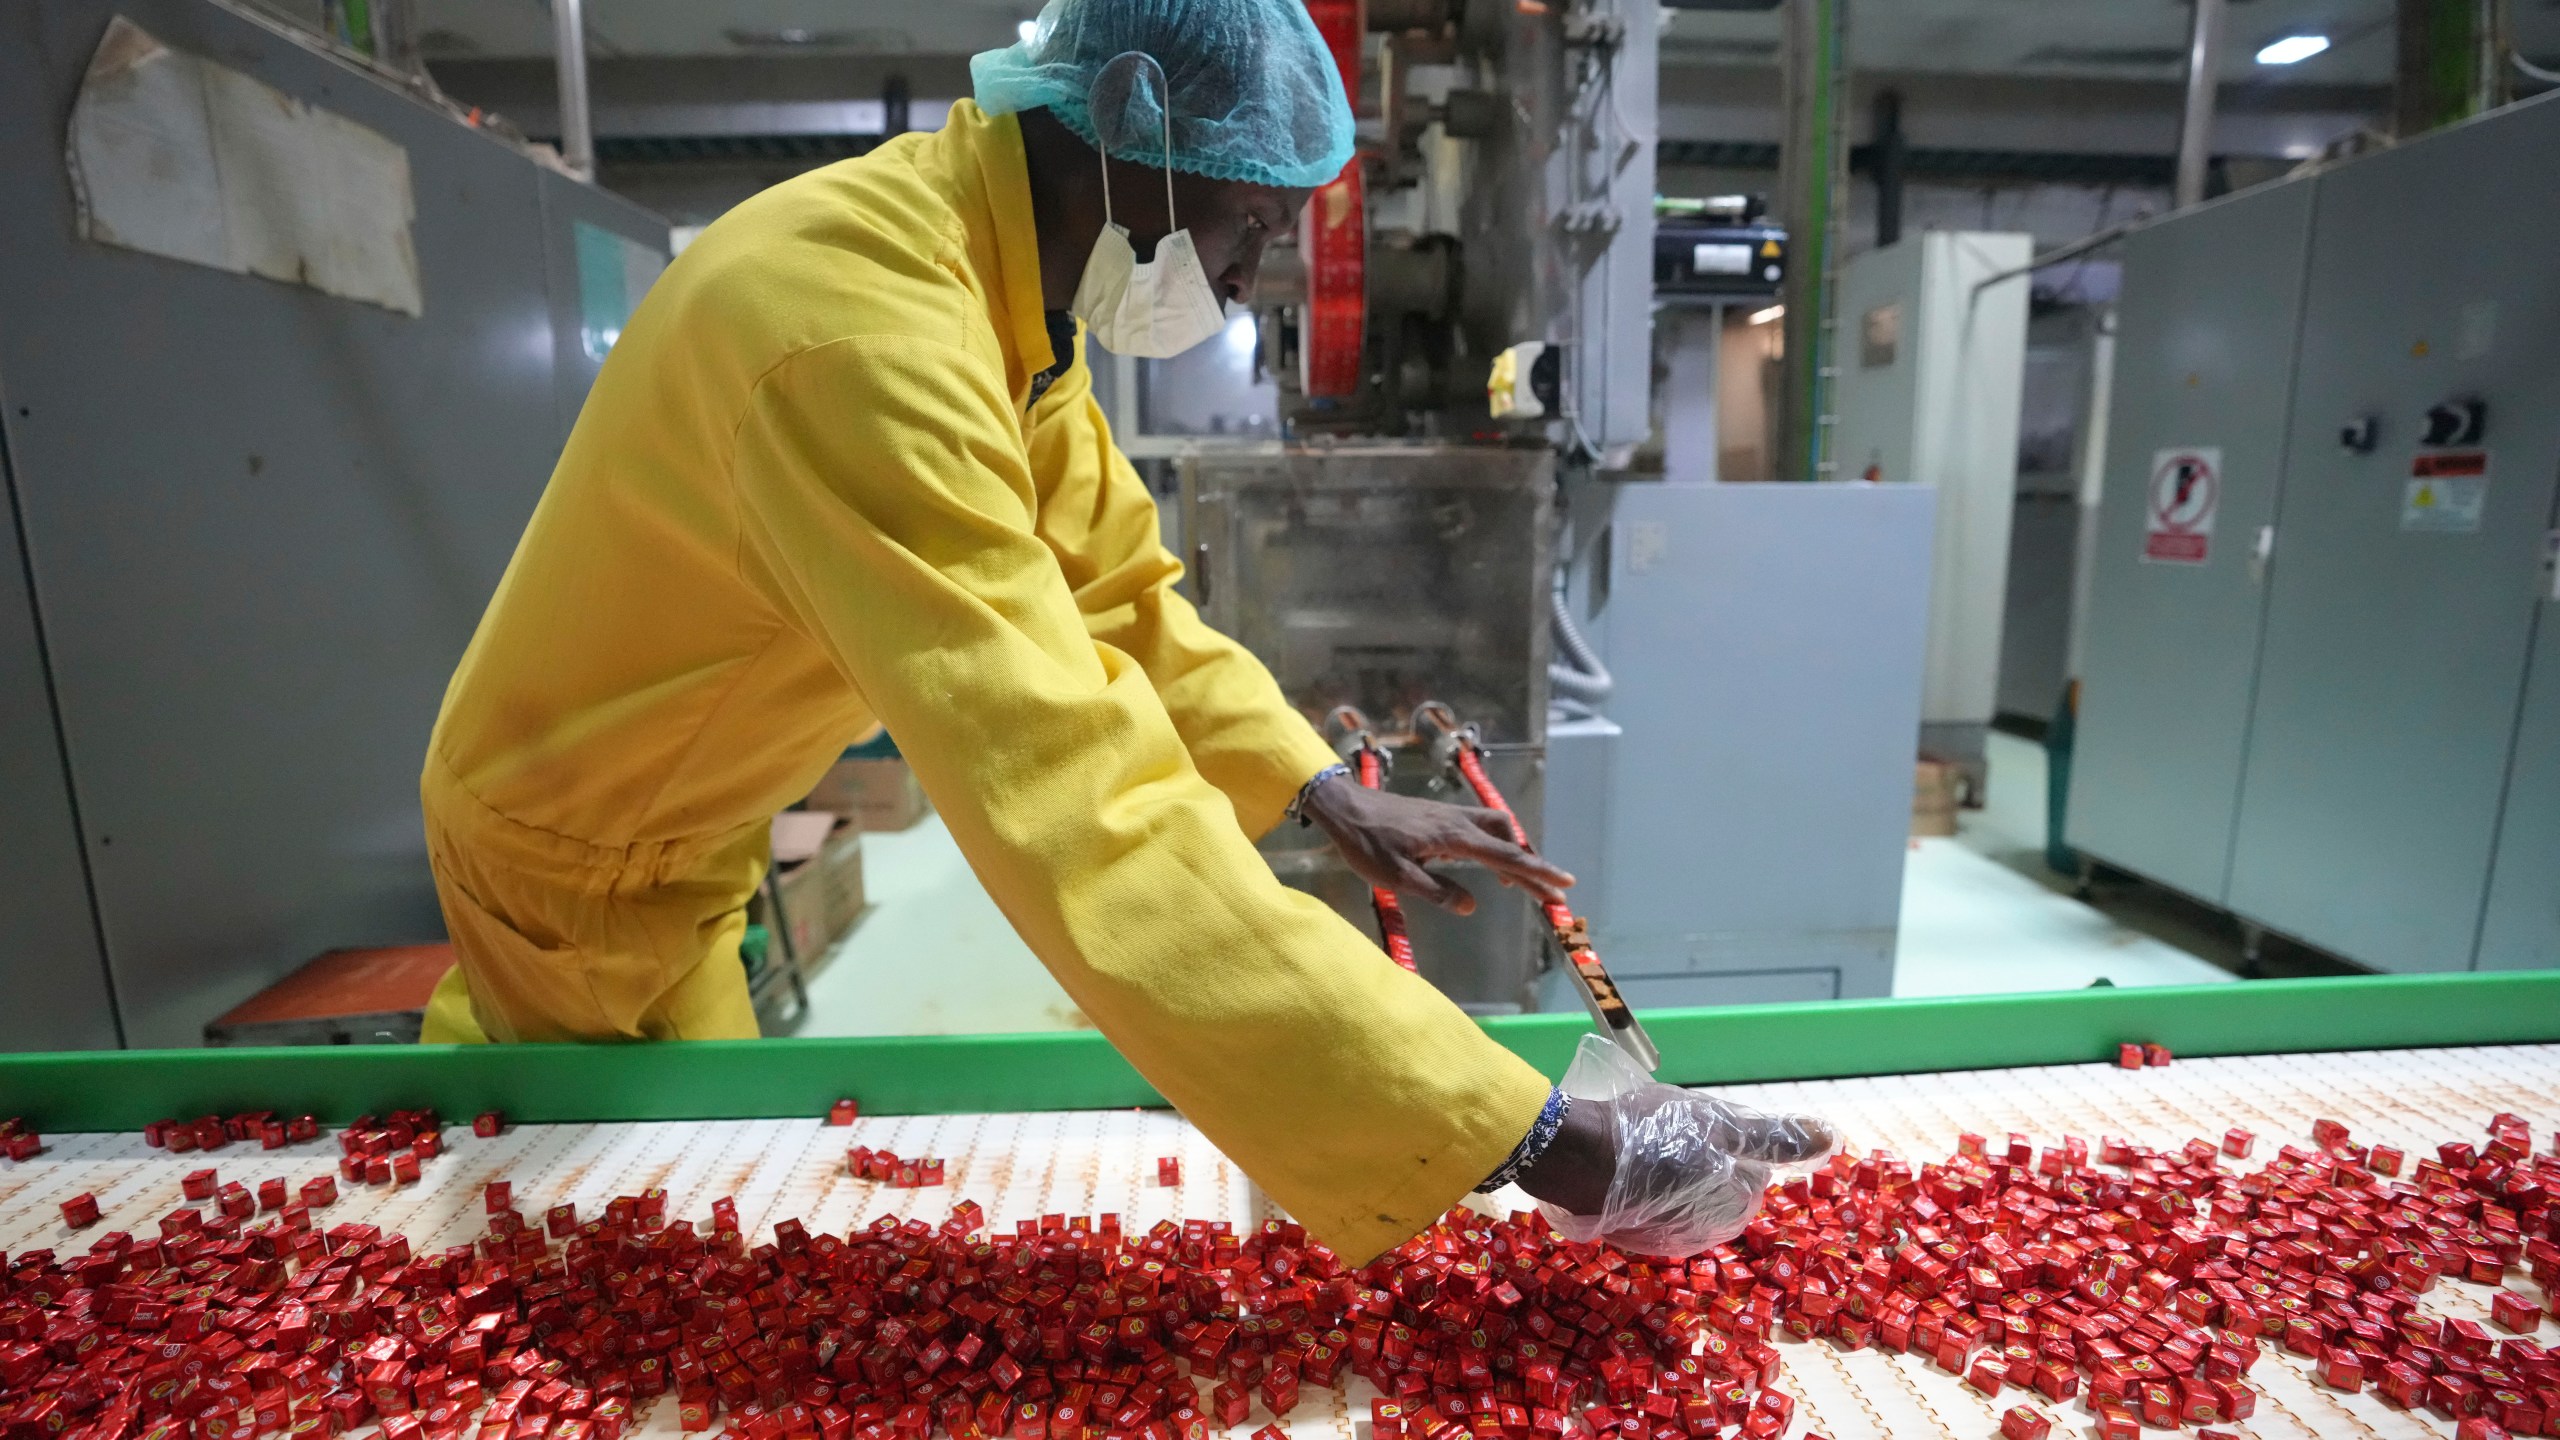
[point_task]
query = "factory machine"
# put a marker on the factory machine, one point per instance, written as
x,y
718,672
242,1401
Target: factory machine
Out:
x,y
1403,583
1463,317
1699,698
2322,670
1932,374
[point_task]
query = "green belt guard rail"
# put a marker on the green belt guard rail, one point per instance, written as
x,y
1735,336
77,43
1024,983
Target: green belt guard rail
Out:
x,y
752,1079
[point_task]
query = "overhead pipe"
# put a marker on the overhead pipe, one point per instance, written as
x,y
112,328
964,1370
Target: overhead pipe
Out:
x,y
577,120
2195,130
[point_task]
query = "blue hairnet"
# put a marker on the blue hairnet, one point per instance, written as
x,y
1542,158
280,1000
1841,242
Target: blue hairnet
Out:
x,y
1253,91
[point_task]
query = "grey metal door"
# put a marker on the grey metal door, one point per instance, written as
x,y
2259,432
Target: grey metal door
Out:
x,y
55,976
2204,356
2397,628
2521,930
1768,645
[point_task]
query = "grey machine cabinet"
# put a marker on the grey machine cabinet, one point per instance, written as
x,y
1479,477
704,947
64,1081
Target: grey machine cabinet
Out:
x,y
258,525
57,977
2209,314
2521,929
1767,646
2394,736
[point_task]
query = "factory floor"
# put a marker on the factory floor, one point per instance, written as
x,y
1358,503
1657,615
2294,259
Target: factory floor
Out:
x,y
1980,915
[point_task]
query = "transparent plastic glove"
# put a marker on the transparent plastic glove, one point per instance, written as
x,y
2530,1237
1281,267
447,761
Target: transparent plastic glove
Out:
x,y
1690,1167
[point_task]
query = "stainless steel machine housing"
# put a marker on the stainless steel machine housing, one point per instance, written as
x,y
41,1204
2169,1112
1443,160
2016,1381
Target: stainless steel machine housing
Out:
x,y
1382,577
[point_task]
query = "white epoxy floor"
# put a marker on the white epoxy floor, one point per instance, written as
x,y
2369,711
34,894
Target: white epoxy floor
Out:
x,y
933,955
1981,915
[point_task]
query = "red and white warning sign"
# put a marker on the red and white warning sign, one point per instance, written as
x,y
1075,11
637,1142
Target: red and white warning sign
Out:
x,y
2186,490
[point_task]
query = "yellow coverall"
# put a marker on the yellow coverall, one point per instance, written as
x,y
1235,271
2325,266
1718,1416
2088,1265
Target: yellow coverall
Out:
x,y
811,492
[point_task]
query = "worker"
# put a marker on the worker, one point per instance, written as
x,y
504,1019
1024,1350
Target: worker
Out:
x,y
844,467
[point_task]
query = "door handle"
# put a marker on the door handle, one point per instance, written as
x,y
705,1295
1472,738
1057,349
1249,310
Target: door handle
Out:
x,y
1200,571
2262,552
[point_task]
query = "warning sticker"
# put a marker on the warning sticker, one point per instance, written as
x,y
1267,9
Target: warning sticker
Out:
x,y
2446,493
2186,490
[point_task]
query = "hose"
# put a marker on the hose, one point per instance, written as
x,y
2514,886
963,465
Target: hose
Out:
x,y
1585,678
1567,708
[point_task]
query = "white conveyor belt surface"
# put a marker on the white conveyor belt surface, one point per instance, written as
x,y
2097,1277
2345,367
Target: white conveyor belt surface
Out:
x,y
1084,1162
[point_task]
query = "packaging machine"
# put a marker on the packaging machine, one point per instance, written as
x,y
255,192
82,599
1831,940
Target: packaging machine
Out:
x,y
1706,693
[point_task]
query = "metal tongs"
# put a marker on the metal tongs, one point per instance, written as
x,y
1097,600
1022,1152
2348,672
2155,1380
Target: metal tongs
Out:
x,y
1461,747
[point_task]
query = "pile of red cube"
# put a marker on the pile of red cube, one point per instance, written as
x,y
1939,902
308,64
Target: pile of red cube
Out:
x,y
389,1151
233,1204
2148,1283
270,1130
896,1172
2159,1289
17,1141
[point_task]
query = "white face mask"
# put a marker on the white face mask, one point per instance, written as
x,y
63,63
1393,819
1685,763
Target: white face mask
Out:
x,y
1150,311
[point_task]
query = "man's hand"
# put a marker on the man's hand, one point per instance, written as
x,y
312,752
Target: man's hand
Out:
x,y
1387,840
1655,1169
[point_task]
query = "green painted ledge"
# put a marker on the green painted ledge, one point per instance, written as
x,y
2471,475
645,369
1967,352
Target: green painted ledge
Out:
x,y
716,1080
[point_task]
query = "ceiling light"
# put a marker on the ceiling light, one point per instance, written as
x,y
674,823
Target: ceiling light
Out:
x,y
2293,48
1027,29
1771,315
876,40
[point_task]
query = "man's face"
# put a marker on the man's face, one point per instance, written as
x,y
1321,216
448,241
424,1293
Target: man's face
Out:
x,y
1230,220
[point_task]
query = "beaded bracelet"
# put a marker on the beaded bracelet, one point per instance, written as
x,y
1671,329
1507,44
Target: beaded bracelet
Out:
x,y
1532,1146
1298,807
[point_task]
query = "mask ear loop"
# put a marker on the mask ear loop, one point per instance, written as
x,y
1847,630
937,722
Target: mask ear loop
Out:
x,y
1102,151
1172,222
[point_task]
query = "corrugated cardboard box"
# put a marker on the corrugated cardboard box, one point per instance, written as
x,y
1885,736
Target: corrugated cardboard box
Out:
x,y
817,860
1933,798
876,794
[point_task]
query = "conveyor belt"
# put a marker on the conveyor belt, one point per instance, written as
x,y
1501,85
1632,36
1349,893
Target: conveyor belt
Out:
x,y
1083,1162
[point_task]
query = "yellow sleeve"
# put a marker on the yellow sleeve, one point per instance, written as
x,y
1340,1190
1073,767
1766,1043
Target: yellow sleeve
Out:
x,y
886,505
1096,515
